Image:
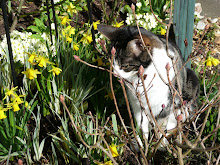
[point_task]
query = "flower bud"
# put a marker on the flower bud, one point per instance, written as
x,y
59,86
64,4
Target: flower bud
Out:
x,y
20,162
163,106
167,67
186,42
62,98
113,51
141,70
179,118
76,58
132,7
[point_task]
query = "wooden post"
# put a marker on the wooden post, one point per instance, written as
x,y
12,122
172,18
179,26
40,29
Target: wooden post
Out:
x,y
183,21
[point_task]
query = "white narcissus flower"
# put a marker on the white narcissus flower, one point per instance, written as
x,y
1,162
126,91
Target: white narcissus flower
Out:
x,y
22,43
139,4
139,16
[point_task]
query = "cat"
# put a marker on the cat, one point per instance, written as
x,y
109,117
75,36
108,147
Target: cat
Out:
x,y
130,55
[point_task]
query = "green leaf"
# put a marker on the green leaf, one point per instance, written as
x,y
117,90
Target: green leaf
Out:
x,y
37,36
145,9
34,29
127,9
78,8
207,124
114,123
39,23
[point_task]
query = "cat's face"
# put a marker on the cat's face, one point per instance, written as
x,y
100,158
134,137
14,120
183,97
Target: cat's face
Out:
x,y
130,53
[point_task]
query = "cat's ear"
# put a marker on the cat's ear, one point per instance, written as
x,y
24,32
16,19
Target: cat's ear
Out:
x,y
107,30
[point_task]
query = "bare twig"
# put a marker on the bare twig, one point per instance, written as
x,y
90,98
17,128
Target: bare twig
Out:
x,y
132,122
112,90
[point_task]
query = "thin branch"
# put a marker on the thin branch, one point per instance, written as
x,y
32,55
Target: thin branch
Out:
x,y
113,94
132,122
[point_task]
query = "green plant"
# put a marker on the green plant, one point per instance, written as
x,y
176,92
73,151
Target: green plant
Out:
x,y
13,125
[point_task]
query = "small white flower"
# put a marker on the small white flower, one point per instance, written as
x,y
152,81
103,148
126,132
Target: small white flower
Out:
x,y
139,16
139,4
53,26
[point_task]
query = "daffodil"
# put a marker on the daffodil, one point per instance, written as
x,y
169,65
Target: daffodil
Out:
x,y
215,61
95,24
68,32
75,46
87,38
10,92
69,39
2,112
31,56
43,61
212,61
15,107
18,98
118,24
163,31
31,73
65,20
71,9
71,30
2,115
113,149
26,105
55,70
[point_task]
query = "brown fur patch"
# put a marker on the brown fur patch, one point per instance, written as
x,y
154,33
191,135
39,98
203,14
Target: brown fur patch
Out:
x,y
150,42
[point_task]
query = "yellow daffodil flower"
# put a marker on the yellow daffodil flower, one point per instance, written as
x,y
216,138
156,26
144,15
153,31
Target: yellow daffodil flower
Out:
x,y
69,39
212,61
215,61
31,57
26,105
55,70
163,31
71,9
113,149
118,24
71,30
75,46
10,92
2,114
65,20
95,24
31,73
86,39
16,107
43,61
68,32
18,99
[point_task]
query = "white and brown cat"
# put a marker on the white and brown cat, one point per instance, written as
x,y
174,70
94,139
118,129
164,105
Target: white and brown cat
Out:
x,y
130,55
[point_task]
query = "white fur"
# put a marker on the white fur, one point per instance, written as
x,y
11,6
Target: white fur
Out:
x,y
158,92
